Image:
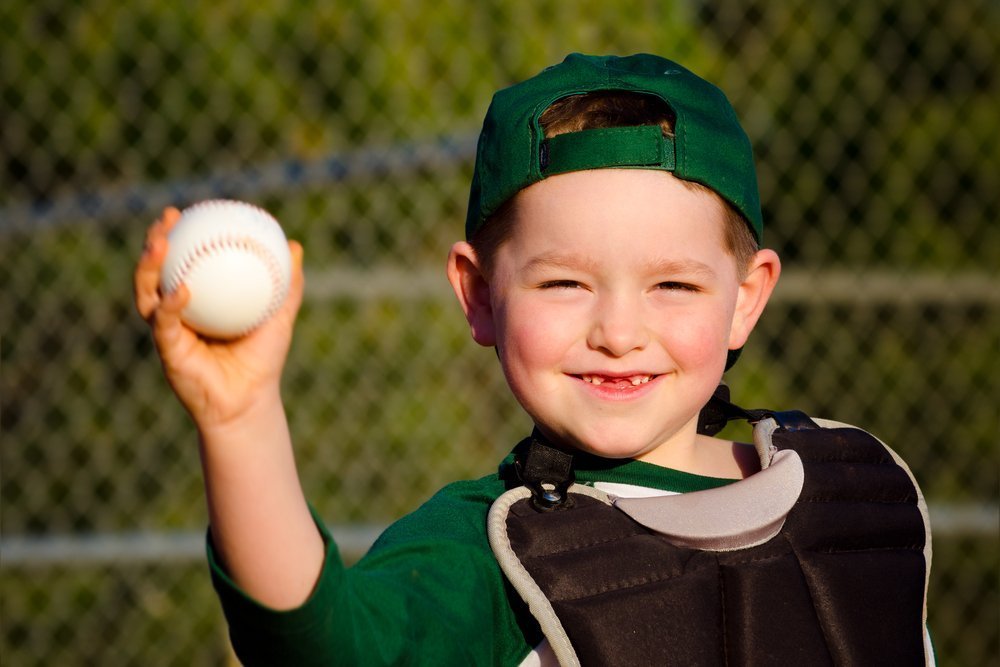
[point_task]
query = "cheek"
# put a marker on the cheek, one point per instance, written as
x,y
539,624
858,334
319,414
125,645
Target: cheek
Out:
x,y
531,335
534,340
698,339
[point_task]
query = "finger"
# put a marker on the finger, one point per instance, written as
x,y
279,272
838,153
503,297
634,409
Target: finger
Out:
x,y
166,319
173,304
169,218
162,226
146,280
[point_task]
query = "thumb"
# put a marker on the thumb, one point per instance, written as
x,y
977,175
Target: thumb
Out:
x,y
296,289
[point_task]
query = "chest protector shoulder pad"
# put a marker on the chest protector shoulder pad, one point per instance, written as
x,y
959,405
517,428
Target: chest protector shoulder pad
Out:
x,y
821,558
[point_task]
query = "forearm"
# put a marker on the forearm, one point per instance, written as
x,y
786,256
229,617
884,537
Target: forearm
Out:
x,y
260,522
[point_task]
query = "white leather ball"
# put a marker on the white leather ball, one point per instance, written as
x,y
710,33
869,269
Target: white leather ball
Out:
x,y
234,259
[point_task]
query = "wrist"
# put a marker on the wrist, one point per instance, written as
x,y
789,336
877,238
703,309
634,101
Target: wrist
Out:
x,y
259,421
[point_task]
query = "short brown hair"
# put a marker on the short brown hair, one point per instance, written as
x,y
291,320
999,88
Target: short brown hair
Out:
x,y
600,109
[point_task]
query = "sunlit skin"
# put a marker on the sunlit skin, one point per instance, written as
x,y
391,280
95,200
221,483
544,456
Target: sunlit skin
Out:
x,y
612,307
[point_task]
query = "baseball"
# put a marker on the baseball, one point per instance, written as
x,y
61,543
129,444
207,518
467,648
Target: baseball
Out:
x,y
234,259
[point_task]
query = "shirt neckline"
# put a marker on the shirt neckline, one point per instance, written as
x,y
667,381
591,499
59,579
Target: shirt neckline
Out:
x,y
589,468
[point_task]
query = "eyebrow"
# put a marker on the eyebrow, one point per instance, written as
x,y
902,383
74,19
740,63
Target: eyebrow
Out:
x,y
657,266
559,261
681,266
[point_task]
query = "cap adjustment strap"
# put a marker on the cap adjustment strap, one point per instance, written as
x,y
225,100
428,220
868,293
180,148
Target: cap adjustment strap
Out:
x,y
637,146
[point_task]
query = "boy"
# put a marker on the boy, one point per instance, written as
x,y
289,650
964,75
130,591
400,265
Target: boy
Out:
x,y
612,260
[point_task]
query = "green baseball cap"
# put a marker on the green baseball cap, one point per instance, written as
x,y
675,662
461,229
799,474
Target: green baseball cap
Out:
x,y
708,146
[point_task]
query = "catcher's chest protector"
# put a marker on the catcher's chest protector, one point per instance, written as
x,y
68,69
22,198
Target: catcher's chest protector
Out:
x,y
819,559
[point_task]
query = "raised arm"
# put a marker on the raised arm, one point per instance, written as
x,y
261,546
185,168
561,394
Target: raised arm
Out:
x,y
260,524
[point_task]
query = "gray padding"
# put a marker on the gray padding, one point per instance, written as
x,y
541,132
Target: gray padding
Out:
x,y
741,515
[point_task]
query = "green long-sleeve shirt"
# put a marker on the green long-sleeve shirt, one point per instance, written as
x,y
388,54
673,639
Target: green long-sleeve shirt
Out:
x,y
429,592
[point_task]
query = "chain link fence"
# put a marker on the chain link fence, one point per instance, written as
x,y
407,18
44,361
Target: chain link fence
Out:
x,y
876,128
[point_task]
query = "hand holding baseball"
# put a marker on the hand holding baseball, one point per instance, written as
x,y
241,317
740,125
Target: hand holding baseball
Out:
x,y
217,380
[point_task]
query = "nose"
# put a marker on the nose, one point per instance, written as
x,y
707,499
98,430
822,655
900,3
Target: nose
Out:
x,y
618,325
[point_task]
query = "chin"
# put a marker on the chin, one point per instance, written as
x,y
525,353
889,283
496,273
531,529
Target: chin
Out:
x,y
610,444
624,451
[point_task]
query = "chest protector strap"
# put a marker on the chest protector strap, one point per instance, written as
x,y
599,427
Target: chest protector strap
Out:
x,y
820,559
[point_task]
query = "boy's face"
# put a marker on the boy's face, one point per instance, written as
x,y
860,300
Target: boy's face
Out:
x,y
612,306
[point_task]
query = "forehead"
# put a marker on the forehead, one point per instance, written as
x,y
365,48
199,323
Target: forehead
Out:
x,y
623,207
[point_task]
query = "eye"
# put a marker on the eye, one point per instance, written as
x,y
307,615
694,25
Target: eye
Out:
x,y
675,286
560,284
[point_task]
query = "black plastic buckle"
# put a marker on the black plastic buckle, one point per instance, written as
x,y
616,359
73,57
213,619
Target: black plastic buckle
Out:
x,y
548,473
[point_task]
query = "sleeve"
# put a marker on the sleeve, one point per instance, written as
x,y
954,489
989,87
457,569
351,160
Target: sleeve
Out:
x,y
415,599
262,635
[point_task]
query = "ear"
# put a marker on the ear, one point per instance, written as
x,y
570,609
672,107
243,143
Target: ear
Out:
x,y
473,292
754,292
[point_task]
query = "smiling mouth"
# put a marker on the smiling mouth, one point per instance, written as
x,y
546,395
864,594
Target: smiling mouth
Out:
x,y
633,380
